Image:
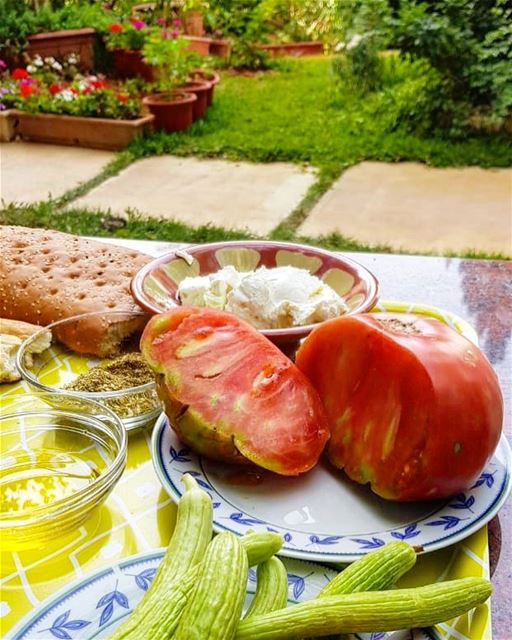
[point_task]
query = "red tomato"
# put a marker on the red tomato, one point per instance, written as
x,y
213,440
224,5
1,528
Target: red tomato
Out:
x,y
415,409
230,394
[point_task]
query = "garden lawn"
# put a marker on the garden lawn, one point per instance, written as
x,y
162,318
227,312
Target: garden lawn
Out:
x,y
297,113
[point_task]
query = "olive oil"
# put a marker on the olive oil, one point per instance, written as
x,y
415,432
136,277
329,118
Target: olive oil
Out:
x,y
36,478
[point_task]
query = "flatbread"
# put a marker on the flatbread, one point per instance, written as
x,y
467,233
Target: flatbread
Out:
x,y
47,276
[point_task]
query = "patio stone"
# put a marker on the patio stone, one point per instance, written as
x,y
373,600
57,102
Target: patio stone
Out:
x,y
418,208
228,194
31,172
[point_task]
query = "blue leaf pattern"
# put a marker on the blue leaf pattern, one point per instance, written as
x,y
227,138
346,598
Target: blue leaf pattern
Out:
x,y
252,575
215,505
377,636
144,578
485,478
327,540
241,519
201,483
298,583
106,614
61,623
409,532
447,522
462,502
287,537
121,599
106,599
179,456
374,543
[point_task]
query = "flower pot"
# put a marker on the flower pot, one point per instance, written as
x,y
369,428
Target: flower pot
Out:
x,y
97,133
220,48
200,89
130,64
201,46
207,76
193,23
57,44
172,111
9,123
295,49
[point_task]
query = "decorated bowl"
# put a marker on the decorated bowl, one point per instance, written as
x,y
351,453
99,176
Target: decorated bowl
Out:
x,y
155,286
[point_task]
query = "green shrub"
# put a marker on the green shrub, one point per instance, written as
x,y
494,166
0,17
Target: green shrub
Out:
x,y
469,43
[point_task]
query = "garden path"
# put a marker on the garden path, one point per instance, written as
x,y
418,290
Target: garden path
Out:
x,y
234,195
413,207
33,172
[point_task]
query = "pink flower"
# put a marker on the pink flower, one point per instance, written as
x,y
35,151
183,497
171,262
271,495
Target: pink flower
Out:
x,y
137,24
3,65
160,22
176,23
175,34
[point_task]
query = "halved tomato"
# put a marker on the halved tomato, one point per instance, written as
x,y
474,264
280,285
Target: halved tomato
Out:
x,y
414,408
230,394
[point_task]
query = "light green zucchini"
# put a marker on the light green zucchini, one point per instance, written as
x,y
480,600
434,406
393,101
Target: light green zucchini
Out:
x,y
369,611
271,588
261,546
214,608
190,539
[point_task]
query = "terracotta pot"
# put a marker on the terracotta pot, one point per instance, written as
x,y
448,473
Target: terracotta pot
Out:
x,y
193,23
200,89
61,43
207,76
9,123
129,64
172,111
201,46
98,133
221,48
295,49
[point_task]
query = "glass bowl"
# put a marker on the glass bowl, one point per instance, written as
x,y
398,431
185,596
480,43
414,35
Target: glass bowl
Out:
x,y
61,457
58,365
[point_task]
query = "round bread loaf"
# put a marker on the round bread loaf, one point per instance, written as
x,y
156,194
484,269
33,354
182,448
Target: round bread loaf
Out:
x,y
47,276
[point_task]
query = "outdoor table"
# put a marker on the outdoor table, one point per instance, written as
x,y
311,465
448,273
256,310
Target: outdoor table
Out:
x,y
139,516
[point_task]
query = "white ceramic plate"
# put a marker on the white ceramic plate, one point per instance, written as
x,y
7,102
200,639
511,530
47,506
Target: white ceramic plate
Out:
x,y
323,515
94,606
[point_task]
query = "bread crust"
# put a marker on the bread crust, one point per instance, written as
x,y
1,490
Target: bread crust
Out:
x,y
47,276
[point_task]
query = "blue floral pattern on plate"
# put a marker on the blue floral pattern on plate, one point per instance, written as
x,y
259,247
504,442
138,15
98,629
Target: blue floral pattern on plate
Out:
x,y
446,523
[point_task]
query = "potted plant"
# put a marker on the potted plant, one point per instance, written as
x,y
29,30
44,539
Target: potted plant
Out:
x,y
209,76
172,107
9,119
192,12
82,110
126,41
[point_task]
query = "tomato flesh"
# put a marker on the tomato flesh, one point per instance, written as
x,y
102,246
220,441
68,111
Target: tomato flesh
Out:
x,y
231,394
414,408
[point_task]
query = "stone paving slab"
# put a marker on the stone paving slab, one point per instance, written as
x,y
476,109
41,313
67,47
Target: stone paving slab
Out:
x,y
31,172
418,208
228,194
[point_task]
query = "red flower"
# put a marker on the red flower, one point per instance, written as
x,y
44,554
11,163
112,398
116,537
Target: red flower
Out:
x,y
54,87
115,27
19,74
123,97
27,90
98,84
74,90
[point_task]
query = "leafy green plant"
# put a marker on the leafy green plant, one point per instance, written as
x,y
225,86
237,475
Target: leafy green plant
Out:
x,y
167,52
131,34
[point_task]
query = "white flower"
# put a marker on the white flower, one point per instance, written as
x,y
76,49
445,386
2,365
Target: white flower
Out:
x,y
38,61
354,41
31,68
72,59
57,66
49,60
340,46
66,94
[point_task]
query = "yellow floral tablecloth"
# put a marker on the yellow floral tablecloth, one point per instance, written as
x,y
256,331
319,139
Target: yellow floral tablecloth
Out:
x,y
139,516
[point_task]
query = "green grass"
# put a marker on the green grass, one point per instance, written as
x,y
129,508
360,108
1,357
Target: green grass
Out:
x,y
296,114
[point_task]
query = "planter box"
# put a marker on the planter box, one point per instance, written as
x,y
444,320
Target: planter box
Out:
x,y
9,123
198,45
295,49
129,64
98,133
220,48
61,43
